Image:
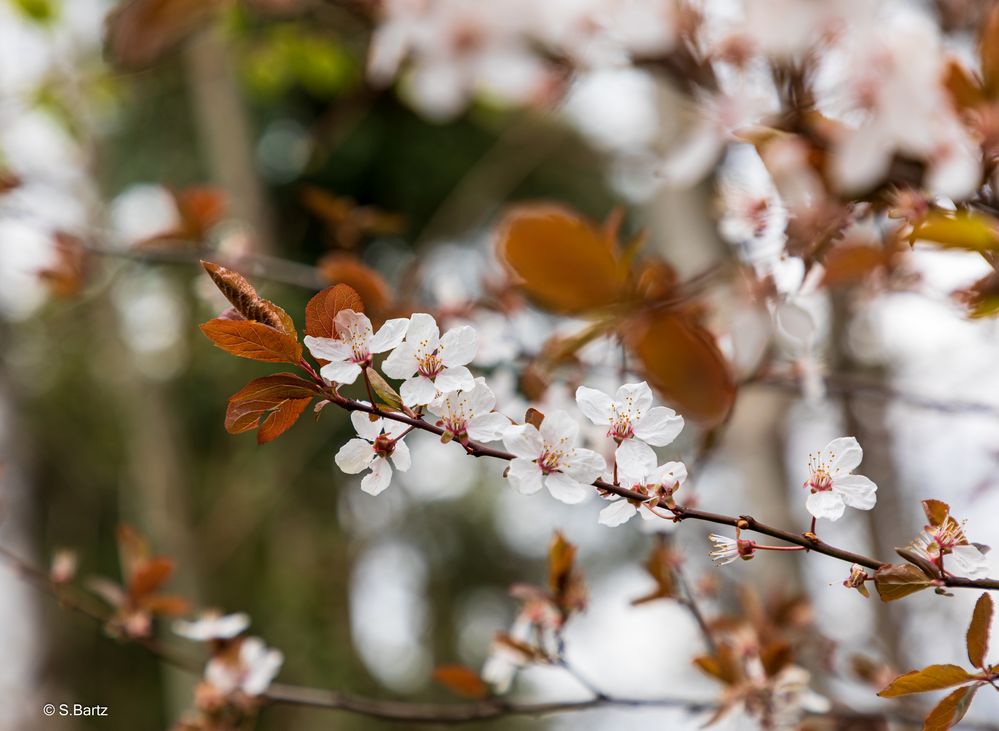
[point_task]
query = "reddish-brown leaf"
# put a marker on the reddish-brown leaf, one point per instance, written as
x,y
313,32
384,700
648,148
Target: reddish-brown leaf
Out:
x,y
936,511
321,311
988,51
167,604
262,395
201,207
149,576
660,565
562,261
978,631
253,340
951,709
681,360
897,581
140,31
932,677
369,284
245,300
281,419
461,681
67,274
847,263
965,93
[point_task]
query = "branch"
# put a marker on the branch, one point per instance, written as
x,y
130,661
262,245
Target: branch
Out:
x,y
679,512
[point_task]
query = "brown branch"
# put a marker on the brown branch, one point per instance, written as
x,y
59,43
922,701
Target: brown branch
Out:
x,y
679,512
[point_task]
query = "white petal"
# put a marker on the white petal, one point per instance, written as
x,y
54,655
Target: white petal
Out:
x,y
635,461
401,457
842,455
558,426
262,672
565,489
596,405
967,561
394,428
365,426
617,513
481,398
423,332
354,456
857,491
379,478
669,473
499,672
487,427
353,324
525,476
458,346
524,441
659,426
455,378
389,335
634,397
327,348
340,371
584,465
825,504
417,391
401,362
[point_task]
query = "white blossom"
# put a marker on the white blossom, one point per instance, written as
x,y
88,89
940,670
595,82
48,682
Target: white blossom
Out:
x,y
948,546
831,484
430,363
550,457
251,671
213,626
726,550
638,470
380,439
470,414
355,342
630,414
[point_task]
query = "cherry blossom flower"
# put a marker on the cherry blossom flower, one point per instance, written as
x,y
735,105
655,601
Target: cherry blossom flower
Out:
x,y
549,456
430,363
728,549
213,626
638,470
355,342
630,414
831,484
469,414
250,670
948,539
531,638
380,439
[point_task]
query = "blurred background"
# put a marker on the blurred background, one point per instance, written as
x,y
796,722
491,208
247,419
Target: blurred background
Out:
x,y
132,147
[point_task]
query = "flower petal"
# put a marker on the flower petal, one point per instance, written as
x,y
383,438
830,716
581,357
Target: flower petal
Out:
x,y
842,455
825,504
481,398
401,457
584,465
668,474
340,371
354,456
487,427
634,398
635,461
558,427
455,378
352,325
524,441
659,426
565,489
423,333
263,670
375,482
401,362
596,405
857,491
617,513
967,561
525,476
367,427
458,346
389,335
417,391
327,348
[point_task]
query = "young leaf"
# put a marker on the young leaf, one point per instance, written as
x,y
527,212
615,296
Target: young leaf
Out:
x,y
951,710
253,340
461,681
244,297
936,511
897,581
370,286
932,677
682,361
282,398
321,311
281,419
988,51
961,230
563,261
978,631
150,576
383,390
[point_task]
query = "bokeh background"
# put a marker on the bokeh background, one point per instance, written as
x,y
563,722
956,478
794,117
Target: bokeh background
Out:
x,y
112,402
